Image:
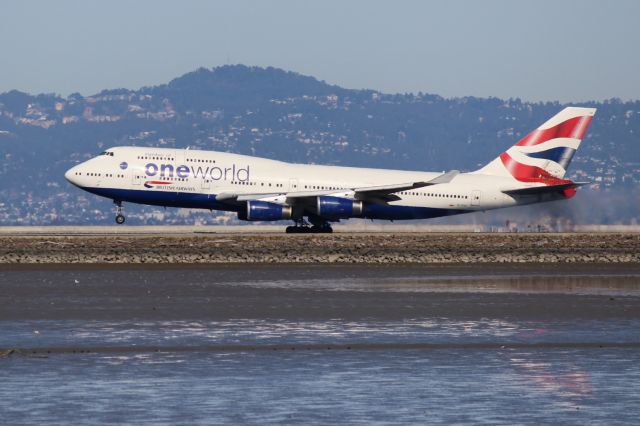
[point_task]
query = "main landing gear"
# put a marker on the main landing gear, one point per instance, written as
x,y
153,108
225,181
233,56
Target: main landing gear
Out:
x,y
302,227
119,209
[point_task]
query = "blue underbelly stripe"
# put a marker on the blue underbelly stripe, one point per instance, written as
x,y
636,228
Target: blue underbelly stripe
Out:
x,y
163,198
208,201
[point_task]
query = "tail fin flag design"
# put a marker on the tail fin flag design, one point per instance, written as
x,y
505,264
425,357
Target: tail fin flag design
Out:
x,y
544,154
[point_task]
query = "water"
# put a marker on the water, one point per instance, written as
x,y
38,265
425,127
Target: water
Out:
x,y
252,332
343,363
361,387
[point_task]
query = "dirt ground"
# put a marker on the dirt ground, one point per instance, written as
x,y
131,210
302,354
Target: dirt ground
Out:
x,y
374,248
388,292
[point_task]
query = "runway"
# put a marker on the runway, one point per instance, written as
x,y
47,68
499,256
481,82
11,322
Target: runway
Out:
x,y
360,227
344,248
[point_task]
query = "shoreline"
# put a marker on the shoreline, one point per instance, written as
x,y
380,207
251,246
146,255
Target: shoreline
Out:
x,y
452,269
317,347
338,248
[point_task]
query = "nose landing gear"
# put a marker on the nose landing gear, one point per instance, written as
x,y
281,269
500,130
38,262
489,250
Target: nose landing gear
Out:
x,y
119,209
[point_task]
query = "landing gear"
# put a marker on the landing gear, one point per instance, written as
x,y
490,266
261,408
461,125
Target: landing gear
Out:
x,y
320,225
323,229
302,227
119,209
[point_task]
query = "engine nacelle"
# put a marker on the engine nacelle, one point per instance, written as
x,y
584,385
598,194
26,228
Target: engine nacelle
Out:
x,y
262,210
338,207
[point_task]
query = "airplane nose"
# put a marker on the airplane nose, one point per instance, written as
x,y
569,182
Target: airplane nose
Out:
x,y
70,175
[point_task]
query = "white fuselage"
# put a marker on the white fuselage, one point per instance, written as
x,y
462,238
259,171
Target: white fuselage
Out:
x,y
199,179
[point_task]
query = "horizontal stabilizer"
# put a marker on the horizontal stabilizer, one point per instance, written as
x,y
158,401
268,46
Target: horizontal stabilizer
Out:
x,y
544,189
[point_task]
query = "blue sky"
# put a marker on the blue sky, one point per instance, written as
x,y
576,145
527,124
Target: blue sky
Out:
x,y
542,50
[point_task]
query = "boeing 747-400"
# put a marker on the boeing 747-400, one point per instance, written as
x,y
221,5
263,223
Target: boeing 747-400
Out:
x,y
531,171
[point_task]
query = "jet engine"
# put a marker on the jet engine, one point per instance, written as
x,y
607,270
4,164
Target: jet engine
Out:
x,y
338,207
263,210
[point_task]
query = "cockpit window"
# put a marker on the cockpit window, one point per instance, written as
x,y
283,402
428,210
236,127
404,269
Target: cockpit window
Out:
x,y
109,153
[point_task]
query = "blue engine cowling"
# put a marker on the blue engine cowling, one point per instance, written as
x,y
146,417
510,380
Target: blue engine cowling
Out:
x,y
262,210
338,208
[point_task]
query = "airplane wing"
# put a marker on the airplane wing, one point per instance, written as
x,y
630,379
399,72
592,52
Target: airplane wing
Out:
x,y
362,193
544,189
384,192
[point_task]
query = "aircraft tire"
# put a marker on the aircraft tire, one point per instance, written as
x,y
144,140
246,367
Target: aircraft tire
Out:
x,y
120,219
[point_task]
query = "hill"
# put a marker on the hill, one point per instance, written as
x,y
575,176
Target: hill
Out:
x,y
284,115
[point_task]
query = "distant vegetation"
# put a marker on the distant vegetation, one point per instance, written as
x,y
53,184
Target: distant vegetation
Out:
x,y
283,115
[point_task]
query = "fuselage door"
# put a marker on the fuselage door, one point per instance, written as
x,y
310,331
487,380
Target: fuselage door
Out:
x,y
475,197
136,176
206,183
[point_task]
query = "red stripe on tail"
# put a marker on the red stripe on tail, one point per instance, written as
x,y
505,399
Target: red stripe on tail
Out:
x,y
573,128
527,173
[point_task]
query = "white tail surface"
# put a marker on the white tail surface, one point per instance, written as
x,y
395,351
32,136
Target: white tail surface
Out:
x,y
544,154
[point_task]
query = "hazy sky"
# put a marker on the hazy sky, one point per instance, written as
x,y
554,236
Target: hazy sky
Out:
x,y
535,50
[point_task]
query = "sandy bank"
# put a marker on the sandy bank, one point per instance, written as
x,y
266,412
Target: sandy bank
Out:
x,y
335,248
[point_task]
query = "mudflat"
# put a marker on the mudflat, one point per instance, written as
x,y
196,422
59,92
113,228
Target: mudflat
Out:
x,y
319,292
374,248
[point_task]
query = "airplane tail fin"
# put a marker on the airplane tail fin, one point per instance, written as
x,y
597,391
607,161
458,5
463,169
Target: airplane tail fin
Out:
x,y
544,154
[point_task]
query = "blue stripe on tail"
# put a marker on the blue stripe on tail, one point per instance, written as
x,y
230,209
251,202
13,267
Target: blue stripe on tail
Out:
x,y
561,155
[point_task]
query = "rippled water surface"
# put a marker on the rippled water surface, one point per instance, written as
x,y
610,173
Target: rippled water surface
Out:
x,y
501,369
387,386
72,333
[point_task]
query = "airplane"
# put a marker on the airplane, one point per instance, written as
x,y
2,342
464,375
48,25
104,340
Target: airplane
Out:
x,y
314,196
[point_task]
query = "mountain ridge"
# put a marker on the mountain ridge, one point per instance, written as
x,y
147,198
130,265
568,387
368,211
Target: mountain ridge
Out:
x,y
288,116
